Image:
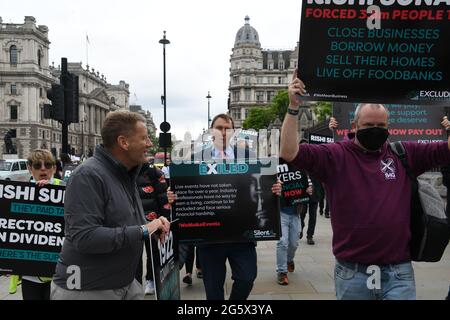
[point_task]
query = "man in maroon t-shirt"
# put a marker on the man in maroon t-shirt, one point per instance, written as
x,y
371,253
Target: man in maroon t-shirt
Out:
x,y
369,193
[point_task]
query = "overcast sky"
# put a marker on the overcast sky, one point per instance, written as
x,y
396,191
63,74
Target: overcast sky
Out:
x,y
124,45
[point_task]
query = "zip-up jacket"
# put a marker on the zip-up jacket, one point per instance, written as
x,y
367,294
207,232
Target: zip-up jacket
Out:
x,y
103,214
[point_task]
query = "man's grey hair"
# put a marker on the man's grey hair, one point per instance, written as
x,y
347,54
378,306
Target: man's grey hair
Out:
x,y
372,105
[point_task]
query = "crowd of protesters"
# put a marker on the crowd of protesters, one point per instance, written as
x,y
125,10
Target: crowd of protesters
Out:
x,y
116,198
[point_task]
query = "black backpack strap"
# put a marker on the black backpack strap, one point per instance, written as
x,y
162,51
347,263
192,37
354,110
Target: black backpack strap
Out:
x,y
398,148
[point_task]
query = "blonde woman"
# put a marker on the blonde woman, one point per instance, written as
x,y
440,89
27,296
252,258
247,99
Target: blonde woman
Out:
x,y
42,167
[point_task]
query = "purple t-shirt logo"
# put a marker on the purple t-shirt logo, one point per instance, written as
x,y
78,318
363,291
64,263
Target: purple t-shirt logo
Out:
x,y
388,168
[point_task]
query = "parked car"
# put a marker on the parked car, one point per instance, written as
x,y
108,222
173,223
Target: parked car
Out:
x,y
15,170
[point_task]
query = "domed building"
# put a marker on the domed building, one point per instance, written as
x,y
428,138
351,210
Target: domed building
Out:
x,y
247,36
256,74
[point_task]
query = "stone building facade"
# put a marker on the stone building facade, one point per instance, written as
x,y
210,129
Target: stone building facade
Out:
x,y
147,115
25,77
257,74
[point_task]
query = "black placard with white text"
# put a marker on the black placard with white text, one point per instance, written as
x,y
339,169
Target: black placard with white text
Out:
x,y
319,139
31,228
226,202
67,172
342,58
166,274
294,184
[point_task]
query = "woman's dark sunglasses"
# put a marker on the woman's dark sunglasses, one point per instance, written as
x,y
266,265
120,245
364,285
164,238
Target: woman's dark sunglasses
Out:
x,y
38,165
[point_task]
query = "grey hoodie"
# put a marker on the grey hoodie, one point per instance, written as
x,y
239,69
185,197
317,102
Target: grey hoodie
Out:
x,y
103,214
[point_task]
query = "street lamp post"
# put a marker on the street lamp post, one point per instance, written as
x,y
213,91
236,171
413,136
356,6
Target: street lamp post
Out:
x,y
209,117
164,41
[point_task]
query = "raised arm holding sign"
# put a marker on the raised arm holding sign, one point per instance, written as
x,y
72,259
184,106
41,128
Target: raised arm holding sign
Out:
x,y
370,198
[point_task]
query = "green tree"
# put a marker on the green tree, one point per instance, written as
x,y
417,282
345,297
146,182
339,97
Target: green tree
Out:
x,y
280,104
261,117
258,118
322,110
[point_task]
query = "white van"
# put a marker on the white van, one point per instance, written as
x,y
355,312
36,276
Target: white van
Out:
x,y
15,170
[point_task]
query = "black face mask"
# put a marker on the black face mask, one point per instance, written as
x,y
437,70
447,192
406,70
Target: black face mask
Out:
x,y
372,138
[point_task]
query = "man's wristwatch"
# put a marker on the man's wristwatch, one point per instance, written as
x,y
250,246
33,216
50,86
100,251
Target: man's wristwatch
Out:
x,y
145,232
294,112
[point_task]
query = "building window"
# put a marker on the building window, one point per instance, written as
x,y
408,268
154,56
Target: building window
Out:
x,y
260,96
270,80
13,55
259,80
39,58
270,95
13,112
248,95
247,80
270,66
235,79
13,89
236,114
281,65
280,80
246,111
236,96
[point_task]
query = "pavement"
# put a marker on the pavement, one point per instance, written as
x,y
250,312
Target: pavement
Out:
x,y
312,278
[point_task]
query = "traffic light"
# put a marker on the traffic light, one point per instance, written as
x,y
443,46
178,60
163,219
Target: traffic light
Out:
x,y
55,111
71,97
165,140
65,100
